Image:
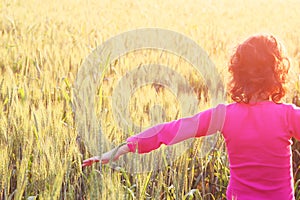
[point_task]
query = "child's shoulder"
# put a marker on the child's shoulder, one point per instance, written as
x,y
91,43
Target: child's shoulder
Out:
x,y
266,104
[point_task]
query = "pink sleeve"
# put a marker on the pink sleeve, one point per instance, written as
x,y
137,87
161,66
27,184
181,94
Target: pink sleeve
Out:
x,y
175,131
294,122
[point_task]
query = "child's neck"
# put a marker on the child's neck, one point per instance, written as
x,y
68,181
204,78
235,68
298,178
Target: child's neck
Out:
x,y
256,99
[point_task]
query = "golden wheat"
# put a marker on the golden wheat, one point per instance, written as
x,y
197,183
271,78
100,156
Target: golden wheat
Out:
x,y
42,47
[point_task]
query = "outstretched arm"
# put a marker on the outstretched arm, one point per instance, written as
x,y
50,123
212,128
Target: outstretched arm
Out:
x,y
204,123
152,138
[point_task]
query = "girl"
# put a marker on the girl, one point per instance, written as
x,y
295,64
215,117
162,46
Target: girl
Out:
x,y
257,128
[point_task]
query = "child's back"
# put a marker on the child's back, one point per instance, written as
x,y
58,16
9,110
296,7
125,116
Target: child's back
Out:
x,y
258,140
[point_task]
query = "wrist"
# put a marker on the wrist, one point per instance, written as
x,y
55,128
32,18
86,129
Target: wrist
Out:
x,y
124,149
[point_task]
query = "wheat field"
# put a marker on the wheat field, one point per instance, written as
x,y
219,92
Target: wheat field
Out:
x,y
43,46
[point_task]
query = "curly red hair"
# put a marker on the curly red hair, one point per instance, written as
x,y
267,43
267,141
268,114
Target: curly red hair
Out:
x,y
259,70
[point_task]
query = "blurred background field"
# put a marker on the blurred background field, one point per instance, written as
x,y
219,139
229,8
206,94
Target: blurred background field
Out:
x,y
43,45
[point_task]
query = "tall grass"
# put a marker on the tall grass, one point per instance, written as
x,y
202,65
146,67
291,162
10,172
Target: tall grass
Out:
x,y
42,47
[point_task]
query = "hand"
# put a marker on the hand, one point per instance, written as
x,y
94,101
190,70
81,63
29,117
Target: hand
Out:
x,y
113,154
90,161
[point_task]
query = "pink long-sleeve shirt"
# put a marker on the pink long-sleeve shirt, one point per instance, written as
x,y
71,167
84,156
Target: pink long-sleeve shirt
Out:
x,y
258,140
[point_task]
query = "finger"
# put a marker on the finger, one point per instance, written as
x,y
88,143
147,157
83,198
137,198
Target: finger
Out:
x,y
104,161
90,161
85,164
93,159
